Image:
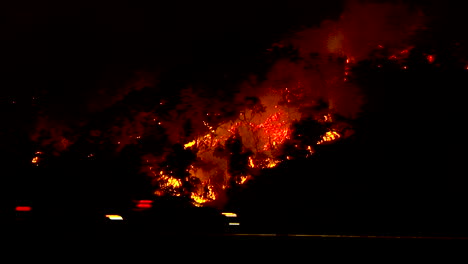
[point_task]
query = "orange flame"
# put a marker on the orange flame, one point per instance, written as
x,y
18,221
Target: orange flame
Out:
x,y
329,136
263,132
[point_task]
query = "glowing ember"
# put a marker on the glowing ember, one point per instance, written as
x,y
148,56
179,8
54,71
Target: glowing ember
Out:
x,y
243,179
190,144
272,163
329,136
251,163
36,159
430,58
169,184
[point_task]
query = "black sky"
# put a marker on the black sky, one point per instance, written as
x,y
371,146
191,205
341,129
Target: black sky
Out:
x,y
68,46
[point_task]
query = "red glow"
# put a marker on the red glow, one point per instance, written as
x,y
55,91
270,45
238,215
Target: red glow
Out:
x,y
430,58
144,204
23,208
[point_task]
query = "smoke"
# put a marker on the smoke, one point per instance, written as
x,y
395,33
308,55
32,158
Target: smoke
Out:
x,y
326,53
369,25
361,27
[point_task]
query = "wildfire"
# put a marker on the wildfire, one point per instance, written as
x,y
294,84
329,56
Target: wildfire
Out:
x,y
272,163
243,179
169,184
263,128
251,163
312,66
201,198
190,144
35,160
329,136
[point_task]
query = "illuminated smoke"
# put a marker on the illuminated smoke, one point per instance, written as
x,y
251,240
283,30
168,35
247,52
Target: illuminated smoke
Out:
x,y
362,27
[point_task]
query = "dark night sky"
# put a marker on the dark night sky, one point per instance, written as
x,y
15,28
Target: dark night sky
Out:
x,y
53,40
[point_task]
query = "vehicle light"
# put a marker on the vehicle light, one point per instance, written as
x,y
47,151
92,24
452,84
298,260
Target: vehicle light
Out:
x,y
144,204
230,214
114,217
23,208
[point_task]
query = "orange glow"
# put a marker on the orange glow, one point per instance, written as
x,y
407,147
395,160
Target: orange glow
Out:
x,y
329,136
263,129
327,118
159,192
190,144
272,163
251,164
399,56
200,199
243,179
261,133
35,160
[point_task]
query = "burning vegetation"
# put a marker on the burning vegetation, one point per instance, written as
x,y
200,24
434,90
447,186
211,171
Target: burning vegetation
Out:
x,y
207,153
195,143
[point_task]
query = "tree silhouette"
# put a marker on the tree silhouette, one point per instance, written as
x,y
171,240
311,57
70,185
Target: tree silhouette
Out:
x,y
305,134
176,165
238,164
